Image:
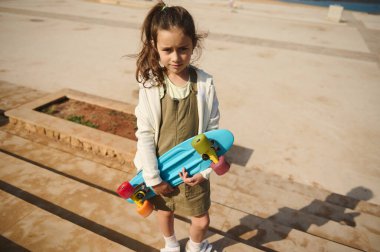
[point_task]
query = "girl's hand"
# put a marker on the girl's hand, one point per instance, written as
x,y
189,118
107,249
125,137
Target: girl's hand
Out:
x,y
191,181
163,188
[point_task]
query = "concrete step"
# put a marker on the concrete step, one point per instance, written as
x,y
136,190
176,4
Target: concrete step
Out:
x,y
8,89
90,208
88,204
53,144
261,198
12,96
33,228
267,234
291,223
249,221
357,199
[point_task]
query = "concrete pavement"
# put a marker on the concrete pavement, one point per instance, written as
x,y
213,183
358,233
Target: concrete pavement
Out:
x,y
304,90
299,92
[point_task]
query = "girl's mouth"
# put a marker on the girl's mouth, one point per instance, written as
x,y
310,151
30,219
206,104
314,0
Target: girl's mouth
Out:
x,y
176,66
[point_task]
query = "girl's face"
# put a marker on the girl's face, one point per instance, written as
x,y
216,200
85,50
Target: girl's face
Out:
x,y
175,50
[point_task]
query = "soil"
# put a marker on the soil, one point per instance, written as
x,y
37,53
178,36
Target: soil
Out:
x,y
104,119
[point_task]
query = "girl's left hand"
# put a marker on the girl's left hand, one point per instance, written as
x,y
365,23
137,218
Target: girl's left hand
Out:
x,y
191,181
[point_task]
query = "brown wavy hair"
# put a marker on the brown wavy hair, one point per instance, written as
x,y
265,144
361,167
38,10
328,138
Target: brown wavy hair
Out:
x,y
162,17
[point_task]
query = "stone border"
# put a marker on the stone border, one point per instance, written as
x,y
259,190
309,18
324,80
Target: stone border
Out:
x,y
78,136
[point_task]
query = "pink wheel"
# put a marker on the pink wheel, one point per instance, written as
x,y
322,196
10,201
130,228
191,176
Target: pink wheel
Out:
x,y
221,167
125,190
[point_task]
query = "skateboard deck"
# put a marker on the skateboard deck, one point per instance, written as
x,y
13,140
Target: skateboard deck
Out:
x,y
193,154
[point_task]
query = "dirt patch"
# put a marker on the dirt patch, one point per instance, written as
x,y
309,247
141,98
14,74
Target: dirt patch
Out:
x,y
104,119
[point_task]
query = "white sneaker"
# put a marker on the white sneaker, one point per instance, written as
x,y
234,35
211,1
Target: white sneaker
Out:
x,y
175,249
205,247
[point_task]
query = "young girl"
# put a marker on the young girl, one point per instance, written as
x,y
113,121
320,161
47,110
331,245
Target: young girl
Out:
x,y
176,101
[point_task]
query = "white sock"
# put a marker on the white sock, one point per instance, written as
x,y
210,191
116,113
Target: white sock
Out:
x,y
171,242
194,246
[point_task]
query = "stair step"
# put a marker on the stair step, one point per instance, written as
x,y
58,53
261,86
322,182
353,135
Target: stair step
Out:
x,y
8,89
291,210
268,234
35,229
95,206
260,188
63,194
50,144
65,162
12,96
276,181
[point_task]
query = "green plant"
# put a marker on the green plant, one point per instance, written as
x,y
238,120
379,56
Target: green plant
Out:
x,y
81,120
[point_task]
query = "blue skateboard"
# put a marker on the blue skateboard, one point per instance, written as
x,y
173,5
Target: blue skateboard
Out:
x,y
195,155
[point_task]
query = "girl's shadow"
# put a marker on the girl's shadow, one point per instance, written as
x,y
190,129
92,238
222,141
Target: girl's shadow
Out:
x,y
255,231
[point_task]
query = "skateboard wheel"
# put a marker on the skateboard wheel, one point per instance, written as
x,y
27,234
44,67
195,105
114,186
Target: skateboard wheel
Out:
x,y
221,167
125,190
145,209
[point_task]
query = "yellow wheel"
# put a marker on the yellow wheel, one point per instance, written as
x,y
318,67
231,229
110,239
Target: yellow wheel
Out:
x,y
145,209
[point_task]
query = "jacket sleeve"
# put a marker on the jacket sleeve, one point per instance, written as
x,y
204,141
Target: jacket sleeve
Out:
x,y
213,107
146,158
213,123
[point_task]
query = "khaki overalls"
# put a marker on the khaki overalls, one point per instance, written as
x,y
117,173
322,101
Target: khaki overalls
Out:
x,y
179,122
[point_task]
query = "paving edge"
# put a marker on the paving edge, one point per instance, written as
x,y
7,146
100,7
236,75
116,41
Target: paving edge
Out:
x,y
101,143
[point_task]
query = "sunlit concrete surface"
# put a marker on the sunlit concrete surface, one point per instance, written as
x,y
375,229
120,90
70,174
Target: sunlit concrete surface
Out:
x,y
300,93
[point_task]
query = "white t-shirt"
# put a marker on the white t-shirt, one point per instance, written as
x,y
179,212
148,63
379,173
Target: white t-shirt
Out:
x,y
176,92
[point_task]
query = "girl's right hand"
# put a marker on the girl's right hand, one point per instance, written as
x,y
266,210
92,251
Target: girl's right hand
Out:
x,y
163,188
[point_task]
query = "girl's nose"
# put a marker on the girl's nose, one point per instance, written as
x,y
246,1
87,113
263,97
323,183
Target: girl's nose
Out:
x,y
175,56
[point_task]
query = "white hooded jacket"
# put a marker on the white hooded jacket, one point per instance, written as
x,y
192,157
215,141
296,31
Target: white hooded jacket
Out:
x,y
148,113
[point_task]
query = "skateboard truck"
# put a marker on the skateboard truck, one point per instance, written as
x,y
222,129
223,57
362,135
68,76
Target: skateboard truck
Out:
x,y
206,149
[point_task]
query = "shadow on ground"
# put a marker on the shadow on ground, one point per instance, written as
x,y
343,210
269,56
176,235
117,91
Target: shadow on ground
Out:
x,y
239,155
257,232
3,119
